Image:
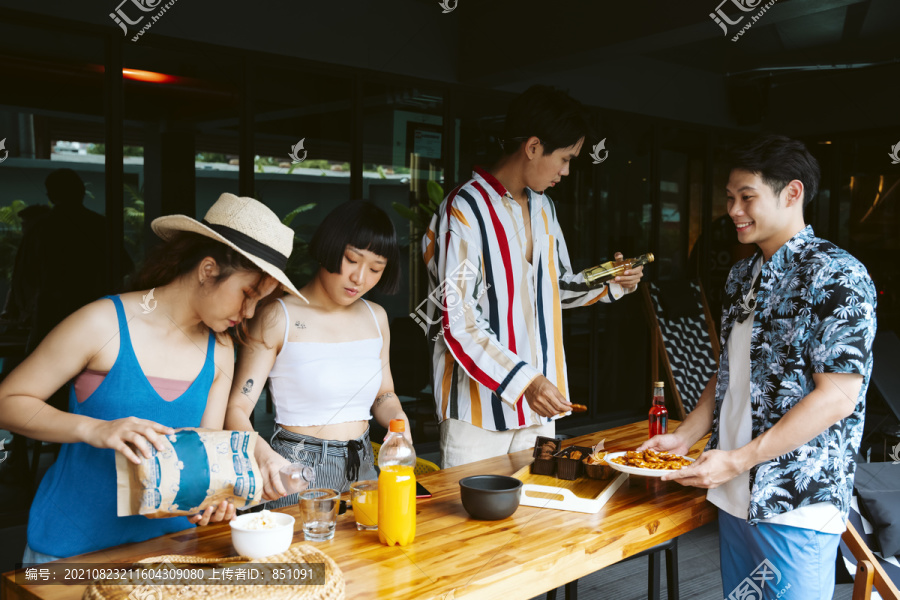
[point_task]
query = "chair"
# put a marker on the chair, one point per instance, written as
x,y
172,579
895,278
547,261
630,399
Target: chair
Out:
x,y
870,569
683,338
654,590
422,466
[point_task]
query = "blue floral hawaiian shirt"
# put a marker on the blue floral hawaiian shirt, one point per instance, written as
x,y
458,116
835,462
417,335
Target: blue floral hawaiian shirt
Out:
x,y
815,313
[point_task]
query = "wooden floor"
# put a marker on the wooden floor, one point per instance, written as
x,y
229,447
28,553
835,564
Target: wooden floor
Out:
x,y
698,571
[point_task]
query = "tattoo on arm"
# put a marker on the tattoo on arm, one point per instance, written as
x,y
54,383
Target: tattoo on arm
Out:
x,y
248,387
384,398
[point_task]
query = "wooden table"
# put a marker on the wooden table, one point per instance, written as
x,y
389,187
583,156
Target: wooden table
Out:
x,y
453,556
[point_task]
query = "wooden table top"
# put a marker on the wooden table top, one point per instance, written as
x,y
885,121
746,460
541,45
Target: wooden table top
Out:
x,y
454,556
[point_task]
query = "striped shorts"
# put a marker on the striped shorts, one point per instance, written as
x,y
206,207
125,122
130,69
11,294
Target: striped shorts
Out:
x,y
332,460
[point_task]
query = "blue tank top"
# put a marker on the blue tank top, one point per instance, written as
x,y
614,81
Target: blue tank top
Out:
x,y
74,510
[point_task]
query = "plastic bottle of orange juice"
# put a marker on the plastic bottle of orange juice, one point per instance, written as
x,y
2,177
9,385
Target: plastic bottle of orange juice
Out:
x,y
396,488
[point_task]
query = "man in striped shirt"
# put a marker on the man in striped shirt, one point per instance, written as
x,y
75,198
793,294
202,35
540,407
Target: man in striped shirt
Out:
x,y
499,277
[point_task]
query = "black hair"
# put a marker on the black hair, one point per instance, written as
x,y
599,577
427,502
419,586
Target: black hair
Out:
x,y
65,187
182,252
778,160
364,226
547,113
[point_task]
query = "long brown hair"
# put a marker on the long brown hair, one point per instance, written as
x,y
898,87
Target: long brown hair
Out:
x,y
183,252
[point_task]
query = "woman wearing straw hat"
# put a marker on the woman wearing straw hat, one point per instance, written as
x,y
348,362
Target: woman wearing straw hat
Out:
x,y
142,363
326,361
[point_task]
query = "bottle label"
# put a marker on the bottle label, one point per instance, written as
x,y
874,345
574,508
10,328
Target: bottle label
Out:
x,y
658,422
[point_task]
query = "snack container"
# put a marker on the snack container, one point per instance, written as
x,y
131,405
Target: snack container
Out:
x,y
570,468
601,471
544,466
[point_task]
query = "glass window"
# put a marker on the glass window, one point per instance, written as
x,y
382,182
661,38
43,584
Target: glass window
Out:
x,y
724,247
868,219
621,224
303,126
818,211
50,118
181,133
403,173
579,213
681,173
480,118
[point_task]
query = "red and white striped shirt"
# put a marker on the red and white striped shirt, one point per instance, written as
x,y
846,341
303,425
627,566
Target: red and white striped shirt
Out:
x,y
495,317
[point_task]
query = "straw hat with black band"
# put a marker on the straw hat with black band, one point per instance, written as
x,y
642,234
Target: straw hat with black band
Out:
x,y
246,225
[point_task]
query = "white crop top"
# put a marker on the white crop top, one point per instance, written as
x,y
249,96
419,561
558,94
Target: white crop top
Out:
x,y
321,383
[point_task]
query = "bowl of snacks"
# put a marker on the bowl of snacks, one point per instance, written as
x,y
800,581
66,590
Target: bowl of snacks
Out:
x,y
490,497
648,463
568,462
595,465
260,534
544,461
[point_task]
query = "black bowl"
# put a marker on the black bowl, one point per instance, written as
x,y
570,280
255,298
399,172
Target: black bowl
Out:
x,y
490,497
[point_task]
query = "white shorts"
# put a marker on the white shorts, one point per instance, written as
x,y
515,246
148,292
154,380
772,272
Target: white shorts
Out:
x,y
462,442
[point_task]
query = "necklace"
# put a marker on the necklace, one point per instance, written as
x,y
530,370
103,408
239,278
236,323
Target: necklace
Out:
x,y
748,302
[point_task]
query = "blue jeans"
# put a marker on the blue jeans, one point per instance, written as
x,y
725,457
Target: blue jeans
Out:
x,y
768,561
36,558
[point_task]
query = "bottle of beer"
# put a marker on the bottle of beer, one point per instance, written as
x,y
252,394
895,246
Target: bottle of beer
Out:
x,y
596,276
659,416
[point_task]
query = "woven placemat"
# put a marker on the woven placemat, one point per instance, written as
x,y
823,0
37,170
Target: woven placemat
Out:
x,y
331,586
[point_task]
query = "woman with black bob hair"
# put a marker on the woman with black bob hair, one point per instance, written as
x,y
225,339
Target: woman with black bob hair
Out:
x,y
326,361
362,225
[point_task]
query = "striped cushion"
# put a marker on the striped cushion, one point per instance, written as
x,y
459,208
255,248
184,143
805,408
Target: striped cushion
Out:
x,y
866,532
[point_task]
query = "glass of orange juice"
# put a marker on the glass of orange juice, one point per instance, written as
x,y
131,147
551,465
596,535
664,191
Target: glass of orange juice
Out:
x,y
364,495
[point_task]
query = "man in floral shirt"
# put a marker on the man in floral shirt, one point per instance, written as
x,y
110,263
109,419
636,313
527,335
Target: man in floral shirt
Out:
x,y
786,408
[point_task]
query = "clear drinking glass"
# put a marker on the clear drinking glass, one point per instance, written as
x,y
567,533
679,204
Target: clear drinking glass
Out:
x,y
364,495
318,511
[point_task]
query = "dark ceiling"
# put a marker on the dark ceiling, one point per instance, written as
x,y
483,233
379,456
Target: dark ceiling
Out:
x,y
801,66
542,36
804,66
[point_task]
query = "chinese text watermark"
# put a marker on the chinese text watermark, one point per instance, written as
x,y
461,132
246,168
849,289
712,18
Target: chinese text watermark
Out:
x,y
448,296
751,588
745,6
123,18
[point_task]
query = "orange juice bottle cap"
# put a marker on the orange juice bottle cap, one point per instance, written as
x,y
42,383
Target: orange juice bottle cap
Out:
x,y
398,425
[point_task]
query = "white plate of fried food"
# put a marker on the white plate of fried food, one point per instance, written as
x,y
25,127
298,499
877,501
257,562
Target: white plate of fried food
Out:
x,y
647,462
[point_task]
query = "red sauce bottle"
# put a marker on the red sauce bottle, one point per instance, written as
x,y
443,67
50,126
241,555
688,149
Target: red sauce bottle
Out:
x,y
659,416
